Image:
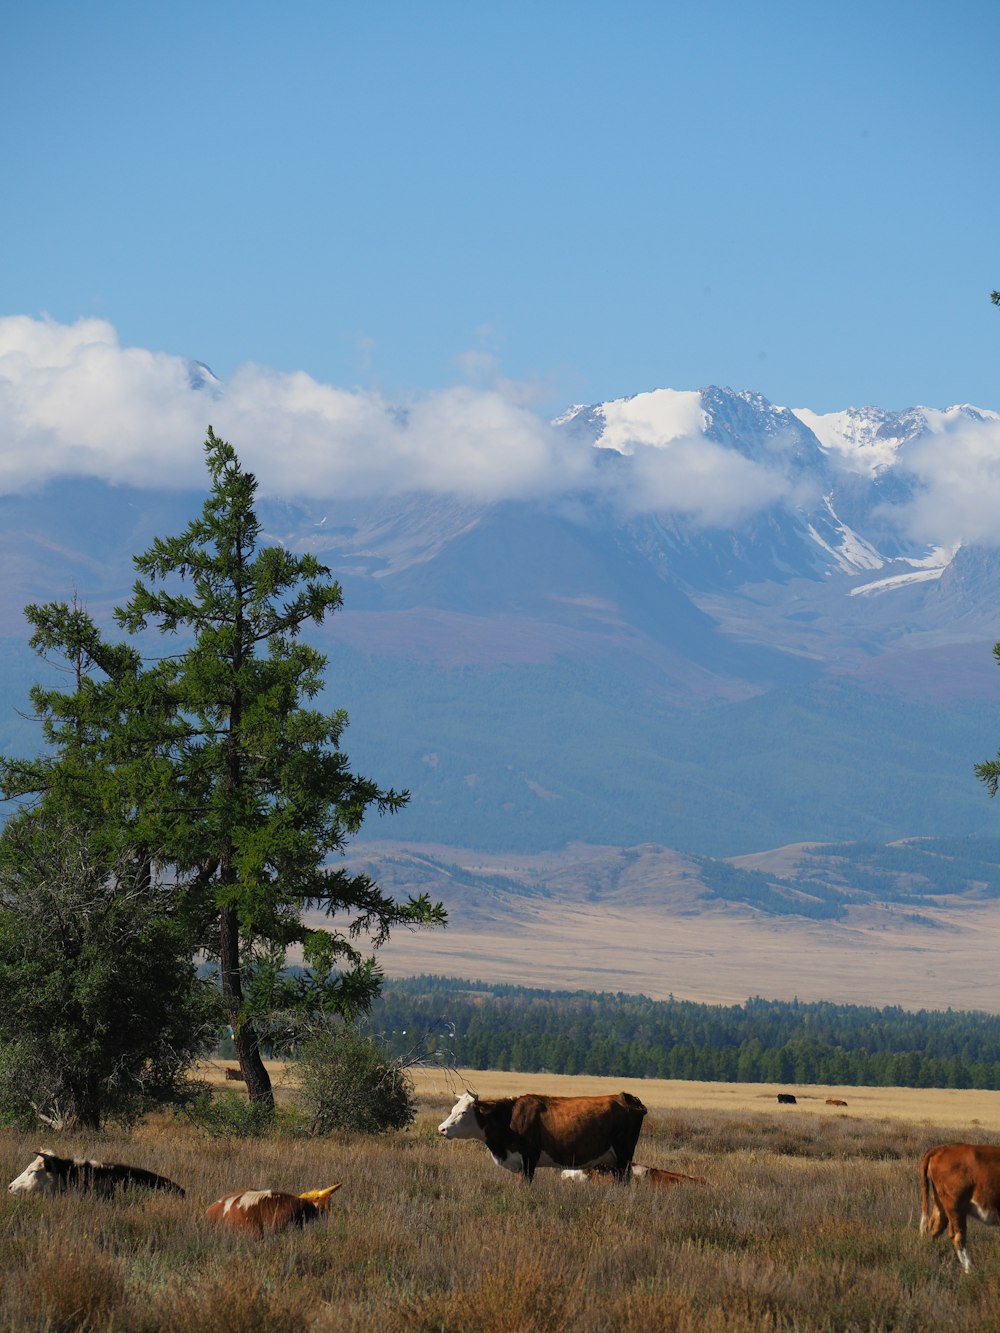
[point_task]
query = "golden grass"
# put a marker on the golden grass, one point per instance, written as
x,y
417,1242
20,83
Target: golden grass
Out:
x,y
979,1110
719,956
808,1222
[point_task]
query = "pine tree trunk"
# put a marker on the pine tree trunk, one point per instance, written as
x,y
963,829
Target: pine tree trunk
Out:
x,y
257,1079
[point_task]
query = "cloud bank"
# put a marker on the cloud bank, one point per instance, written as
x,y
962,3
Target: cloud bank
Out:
x,y
957,468
75,403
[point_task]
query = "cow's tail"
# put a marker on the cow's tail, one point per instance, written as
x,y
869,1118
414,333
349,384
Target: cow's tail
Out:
x,y
928,1194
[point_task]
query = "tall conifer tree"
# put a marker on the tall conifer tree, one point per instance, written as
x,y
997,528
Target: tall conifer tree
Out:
x,y
262,796
210,763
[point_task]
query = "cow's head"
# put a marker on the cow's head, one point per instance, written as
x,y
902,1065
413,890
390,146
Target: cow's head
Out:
x,y
320,1198
463,1122
40,1177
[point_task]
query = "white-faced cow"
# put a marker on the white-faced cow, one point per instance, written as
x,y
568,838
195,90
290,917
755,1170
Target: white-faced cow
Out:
x,y
959,1181
530,1131
51,1174
653,1175
261,1211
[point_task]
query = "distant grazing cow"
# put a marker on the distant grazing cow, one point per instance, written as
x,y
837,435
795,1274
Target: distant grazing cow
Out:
x,y
261,1211
653,1174
234,1075
530,1131
51,1174
786,1099
959,1181
835,1101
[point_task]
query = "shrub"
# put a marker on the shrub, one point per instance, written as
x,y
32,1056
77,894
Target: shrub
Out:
x,y
346,1081
229,1115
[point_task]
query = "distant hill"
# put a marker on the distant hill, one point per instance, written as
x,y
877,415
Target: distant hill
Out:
x,y
912,924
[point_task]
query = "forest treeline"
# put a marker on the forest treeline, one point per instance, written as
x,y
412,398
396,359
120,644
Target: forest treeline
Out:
x,y
480,1026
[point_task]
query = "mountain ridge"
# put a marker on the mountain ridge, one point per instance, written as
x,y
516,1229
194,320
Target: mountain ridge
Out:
x,y
721,639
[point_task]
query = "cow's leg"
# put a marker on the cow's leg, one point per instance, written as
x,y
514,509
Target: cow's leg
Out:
x,y
529,1160
624,1150
933,1223
957,1222
933,1218
622,1172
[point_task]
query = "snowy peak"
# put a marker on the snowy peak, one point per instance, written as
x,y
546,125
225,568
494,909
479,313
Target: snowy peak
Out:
x,y
868,440
741,420
656,419
200,376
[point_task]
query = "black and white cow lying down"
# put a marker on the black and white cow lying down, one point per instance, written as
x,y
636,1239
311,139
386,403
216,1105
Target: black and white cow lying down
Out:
x,y
51,1174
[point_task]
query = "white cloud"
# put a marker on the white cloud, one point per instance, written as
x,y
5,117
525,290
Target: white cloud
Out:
x,y
958,467
74,402
655,418
714,486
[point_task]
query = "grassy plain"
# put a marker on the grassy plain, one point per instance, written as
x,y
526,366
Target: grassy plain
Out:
x,y
808,1222
719,956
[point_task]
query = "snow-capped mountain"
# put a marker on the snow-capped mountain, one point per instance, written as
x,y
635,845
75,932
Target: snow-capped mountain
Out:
x,y
840,512
728,634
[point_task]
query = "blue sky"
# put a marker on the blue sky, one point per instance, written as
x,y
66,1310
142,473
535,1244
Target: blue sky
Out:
x,y
589,199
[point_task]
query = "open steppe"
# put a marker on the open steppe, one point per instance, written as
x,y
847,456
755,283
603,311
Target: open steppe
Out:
x,y
808,1222
650,931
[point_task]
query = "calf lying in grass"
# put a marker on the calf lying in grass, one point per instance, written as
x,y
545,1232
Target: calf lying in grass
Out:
x,y
653,1174
261,1211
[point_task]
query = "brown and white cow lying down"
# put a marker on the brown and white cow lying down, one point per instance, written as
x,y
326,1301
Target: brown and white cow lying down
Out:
x,y
51,1174
523,1133
959,1181
261,1211
653,1175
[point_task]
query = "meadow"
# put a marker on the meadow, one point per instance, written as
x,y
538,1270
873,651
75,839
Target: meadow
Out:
x,y
808,1222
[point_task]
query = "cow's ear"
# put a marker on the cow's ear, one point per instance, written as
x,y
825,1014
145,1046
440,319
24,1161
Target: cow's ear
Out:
x,y
46,1152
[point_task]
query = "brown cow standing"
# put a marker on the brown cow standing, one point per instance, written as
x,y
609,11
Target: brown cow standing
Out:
x,y
261,1211
959,1180
530,1131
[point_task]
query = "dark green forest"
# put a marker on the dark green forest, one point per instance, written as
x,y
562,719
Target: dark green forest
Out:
x,y
474,1025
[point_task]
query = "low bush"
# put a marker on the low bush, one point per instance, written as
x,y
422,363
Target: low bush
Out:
x,y
347,1082
230,1115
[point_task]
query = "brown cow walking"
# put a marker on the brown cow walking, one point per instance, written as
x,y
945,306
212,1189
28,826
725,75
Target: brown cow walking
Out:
x,y
959,1181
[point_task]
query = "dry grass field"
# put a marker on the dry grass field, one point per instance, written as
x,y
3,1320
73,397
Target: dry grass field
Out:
x,y
719,956
808,1222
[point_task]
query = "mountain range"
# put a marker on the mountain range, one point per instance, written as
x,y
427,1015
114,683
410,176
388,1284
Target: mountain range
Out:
x,y
730,634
